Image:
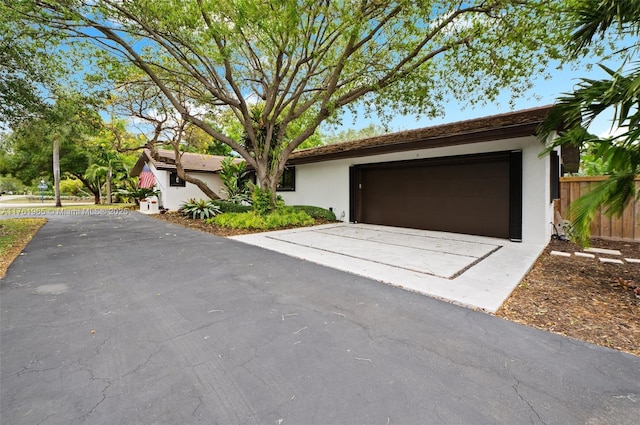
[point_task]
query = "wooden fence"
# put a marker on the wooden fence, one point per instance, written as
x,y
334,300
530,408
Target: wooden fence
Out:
x,y
626,227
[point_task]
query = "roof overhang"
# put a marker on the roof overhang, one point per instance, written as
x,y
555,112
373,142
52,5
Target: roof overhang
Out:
x,y
497,127
165,160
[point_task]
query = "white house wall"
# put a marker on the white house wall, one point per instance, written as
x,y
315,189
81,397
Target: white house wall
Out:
x,y
172,197
326,184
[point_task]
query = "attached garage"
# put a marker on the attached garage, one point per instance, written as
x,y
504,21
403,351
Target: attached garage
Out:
x,y
483,176
472,194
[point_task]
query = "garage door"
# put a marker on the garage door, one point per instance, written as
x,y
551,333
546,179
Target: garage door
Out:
x,y
464,194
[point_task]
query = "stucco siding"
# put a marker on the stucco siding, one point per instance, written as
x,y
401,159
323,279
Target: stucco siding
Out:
x,y
172,197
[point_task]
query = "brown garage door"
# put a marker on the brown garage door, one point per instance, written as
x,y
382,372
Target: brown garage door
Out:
x,y
467,194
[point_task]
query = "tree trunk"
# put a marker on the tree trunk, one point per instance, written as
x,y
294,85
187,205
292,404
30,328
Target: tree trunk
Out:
x,y
56,170
95,191
265,181
109,175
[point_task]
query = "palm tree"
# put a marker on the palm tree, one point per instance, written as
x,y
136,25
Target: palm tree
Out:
x,y
94,178
619,94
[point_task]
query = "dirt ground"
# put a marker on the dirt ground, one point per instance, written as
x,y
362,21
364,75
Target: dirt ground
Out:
x,y
582,298
578,297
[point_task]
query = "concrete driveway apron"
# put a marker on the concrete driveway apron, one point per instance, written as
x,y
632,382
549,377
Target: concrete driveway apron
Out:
x,y
129,320
474,271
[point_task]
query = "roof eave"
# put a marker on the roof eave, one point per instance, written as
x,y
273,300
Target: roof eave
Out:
x,y
409,144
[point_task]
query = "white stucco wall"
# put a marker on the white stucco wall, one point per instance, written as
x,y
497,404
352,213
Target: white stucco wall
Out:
x,y
172,197
326,184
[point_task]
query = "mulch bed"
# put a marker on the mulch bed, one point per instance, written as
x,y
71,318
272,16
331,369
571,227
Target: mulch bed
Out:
x,y
577,297
177,218
582,298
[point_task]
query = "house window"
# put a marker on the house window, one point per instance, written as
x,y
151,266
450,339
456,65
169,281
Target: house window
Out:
x,y
175,181
288,180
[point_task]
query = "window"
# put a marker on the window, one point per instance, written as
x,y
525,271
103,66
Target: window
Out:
x,y
175,181
288,180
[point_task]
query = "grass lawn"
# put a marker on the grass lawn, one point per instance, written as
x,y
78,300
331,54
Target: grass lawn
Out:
x,y
15,234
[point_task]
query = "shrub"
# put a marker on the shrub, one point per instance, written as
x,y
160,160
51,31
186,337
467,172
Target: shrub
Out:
x,y
71,186
316,212
252,220
226,206
138,193
284,218
262,201
244,220
201,209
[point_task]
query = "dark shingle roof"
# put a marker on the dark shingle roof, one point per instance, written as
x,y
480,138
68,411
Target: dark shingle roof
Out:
x,y
495,127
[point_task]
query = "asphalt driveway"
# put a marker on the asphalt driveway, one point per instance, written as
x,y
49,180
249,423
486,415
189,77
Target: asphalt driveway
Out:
x,y
123,319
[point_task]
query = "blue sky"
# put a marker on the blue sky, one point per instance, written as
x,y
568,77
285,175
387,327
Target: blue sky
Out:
x,y
543,92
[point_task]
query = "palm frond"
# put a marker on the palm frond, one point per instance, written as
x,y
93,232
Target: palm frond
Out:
x,y
613,195
593,18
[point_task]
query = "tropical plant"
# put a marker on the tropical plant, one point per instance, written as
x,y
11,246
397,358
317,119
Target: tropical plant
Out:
x,y
234,176
619,94
199,209
138,193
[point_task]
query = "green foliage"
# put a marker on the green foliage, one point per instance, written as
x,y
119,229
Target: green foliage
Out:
x,y
612,193
263,201
234,176
284,218
29,64
200,209
226,206
350,134
71,186
138,193
317,213
618,93
310,61
11,184
276,219
245,220
72,120
591,165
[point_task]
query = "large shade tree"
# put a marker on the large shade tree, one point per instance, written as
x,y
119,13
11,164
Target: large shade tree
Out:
x,y
25,68
305,61
616,96
65,127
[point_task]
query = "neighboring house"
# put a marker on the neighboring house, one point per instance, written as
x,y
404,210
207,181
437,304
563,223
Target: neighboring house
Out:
x,y
483,177
173,190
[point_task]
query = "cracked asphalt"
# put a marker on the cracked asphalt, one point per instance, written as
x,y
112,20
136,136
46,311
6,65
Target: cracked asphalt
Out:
x,y
123,319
